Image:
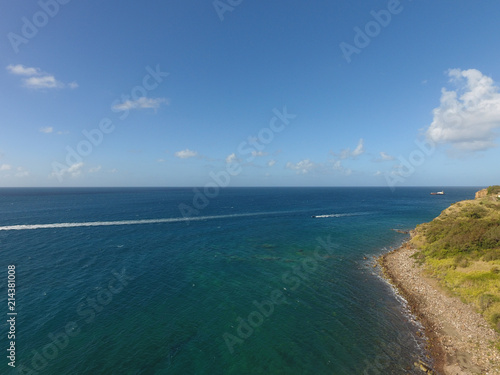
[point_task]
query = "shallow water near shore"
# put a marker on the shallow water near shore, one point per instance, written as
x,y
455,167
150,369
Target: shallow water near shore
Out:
x,y
252,284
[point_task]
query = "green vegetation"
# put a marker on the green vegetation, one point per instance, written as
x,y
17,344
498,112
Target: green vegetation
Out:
x,y
494,190
461,247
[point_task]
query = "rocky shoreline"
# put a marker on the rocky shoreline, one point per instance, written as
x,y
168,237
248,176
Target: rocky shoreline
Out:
x,y
459,339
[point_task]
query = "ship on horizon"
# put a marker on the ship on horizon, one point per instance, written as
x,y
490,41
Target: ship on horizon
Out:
x,y
438,193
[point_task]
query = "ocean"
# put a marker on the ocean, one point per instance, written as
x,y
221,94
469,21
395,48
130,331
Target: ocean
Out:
x,y
182,281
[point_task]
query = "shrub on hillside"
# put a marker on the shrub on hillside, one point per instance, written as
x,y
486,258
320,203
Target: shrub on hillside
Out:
x,y
494,190
491,255
474,212
461,261
491,238
486,300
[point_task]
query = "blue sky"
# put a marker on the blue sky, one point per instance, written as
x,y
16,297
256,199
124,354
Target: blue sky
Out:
x,y
294,93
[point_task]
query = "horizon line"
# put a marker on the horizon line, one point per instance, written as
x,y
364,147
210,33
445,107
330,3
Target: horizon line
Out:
x,y
235,187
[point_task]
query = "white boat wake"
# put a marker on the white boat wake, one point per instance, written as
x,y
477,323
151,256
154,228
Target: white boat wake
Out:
x,y
156,221
339,215
128,222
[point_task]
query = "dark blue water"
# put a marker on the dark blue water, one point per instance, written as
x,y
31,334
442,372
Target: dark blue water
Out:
x,y
117,281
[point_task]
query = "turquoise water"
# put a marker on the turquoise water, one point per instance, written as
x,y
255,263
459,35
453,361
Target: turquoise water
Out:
x,y
117,281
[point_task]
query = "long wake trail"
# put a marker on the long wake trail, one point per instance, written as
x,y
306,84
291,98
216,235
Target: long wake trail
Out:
x,y
157,221
130,222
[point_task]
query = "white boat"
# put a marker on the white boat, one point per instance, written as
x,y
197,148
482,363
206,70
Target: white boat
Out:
x,y
438,193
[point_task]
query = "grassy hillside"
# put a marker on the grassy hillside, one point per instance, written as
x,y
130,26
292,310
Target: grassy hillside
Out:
x,y
461,247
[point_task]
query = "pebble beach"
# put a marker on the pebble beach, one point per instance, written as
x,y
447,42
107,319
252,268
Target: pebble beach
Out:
x,y
460,340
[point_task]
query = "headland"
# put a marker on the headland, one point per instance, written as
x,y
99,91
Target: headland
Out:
x,y
449,273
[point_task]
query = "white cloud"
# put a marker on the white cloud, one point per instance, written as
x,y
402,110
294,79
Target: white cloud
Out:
x,y
141,103
47,130
5,167
23,70
337,166
75,170
161,160
271,162
38,79
232,158
307,166
304,166
467,117
385,157
95,169
187,153
348,154
44,82
359,148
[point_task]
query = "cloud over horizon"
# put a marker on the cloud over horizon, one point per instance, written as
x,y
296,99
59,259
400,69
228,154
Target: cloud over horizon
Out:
x,y
74,170
185,154
348,154
302,167
384,156
469,116
37,79
271,163
232,158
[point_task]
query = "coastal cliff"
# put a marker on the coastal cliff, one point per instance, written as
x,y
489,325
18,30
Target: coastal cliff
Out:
x,y
481,193
449,272
492,192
